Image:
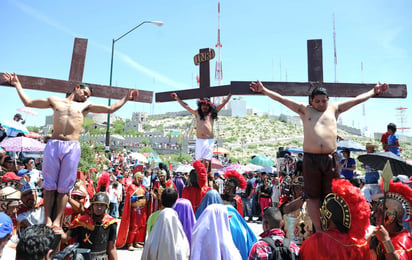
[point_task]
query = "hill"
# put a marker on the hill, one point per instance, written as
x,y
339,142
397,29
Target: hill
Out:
x,y
252,135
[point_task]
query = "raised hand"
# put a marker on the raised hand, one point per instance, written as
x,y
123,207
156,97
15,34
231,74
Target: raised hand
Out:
x,y
256,86
133,93
380,88
12,79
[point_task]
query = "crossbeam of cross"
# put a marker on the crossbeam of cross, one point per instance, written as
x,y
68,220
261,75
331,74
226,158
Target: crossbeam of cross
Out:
x,y
75,78
315,79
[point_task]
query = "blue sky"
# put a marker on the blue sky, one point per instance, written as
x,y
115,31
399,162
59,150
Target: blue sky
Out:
x,y
263,39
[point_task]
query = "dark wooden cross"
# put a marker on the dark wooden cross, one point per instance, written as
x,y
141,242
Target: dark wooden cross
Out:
x,y
315,79
75,78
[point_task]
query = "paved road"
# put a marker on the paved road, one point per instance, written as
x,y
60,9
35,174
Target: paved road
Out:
x,y
124,254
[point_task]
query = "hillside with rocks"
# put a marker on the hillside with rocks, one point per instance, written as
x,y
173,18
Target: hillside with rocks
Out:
x,y
253,135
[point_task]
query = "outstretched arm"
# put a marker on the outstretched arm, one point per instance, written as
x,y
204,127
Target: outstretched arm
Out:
x,y
95,108
376,91
27,101
183,104
291,104
223,104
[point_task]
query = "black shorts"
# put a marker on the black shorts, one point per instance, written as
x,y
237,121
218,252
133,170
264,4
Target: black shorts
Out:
x,y
318,171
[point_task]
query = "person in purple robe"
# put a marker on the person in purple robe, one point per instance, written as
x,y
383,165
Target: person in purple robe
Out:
x,y
184,210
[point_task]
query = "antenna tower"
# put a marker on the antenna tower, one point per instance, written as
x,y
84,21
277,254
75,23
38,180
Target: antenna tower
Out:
x,y
218,68
402,119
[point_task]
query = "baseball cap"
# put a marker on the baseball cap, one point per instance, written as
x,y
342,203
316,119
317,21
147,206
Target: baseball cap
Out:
x,y
119,176
78,192
10,176
23,172
6,225
27,187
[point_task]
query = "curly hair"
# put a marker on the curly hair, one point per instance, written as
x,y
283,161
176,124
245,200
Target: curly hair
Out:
x,y
35,242
212,108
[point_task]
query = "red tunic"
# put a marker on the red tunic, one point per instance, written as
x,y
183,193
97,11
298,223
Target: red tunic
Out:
x,y
402,242
133,224
335,245
195,195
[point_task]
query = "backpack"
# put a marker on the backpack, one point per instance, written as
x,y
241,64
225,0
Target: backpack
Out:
x,y
280,250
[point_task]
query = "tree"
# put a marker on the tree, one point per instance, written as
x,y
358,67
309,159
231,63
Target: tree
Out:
x,y
147,127
87,124
147,149
118,126
145,141
87,157
182,157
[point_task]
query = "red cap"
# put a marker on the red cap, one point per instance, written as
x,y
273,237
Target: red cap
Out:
x,y
10,176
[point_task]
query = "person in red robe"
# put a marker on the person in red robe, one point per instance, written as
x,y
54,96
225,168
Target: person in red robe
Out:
x,y
133,223
89,182
391,240
198,185
156,193
345,219
229,196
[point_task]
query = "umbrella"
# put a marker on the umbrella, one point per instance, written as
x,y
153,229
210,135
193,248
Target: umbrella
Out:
x,y
254,167
220,150
378,160
139,157
216,164
351,145
28,111
152,157
183,168
238,167
15,126
22,144
262,161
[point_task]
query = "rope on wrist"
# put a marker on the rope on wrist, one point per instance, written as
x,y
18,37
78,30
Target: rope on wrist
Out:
x,y
387,245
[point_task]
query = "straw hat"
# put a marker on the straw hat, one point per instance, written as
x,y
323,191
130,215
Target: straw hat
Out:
x,y
371,145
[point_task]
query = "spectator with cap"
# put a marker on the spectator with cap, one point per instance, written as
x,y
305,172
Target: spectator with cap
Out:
x,y
9,201
8,164
371,176
348,165
10,177
31,210
6,228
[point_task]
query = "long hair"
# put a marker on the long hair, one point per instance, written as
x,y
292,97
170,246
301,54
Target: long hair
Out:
x,y
212,108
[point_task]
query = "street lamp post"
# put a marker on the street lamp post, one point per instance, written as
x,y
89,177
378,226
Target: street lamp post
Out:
x,y
158,23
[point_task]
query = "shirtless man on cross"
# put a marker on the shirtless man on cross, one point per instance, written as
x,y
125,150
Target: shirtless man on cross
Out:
x,y
62,152
319,118
205,115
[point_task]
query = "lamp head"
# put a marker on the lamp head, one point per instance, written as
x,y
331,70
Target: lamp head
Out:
x,y
158,23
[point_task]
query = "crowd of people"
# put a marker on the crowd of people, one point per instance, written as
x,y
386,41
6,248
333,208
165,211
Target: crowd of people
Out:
x,y
173,215
307,210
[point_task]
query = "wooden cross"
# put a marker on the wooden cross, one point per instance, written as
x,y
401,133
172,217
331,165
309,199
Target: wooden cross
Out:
x,y
75,78
315,79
